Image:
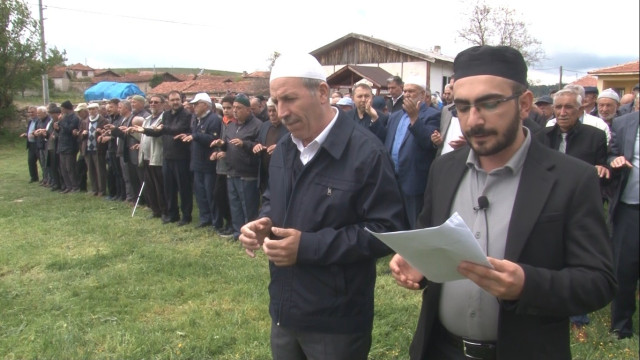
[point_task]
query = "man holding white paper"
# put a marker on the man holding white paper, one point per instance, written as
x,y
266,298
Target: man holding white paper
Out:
x,y
536,213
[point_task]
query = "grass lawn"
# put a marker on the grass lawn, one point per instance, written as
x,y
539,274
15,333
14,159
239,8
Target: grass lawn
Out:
x,y
81,279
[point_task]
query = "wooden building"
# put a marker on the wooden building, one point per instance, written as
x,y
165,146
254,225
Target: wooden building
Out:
x,y
368,52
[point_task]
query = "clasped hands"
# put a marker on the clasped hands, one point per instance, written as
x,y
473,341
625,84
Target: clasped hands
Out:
x,y
255,235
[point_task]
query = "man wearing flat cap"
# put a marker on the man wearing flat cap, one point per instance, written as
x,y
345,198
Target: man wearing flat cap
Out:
x,y
589,101
536,213
328,180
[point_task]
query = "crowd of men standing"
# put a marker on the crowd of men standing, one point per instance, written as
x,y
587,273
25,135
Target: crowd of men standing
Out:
x,y
169,150
161,152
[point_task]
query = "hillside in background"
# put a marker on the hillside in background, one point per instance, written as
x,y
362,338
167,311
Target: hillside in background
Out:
x,y
176,71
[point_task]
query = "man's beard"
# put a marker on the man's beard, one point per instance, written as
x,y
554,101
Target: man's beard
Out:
x,y
502,142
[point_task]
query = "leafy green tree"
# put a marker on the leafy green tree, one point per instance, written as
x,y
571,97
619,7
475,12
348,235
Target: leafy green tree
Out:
x,y
20,64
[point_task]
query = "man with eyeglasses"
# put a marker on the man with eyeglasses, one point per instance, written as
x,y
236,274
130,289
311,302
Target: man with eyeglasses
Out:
x,y
536,213
151,158
175,165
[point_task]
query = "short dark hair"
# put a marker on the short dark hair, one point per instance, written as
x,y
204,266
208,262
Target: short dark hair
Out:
x,y
176,92
396,79
228,99
114,101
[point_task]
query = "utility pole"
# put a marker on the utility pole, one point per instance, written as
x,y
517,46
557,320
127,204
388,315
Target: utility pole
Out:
x,y
43,49
560,83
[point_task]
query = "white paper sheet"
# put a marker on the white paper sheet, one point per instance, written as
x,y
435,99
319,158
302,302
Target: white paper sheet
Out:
x,y
436,252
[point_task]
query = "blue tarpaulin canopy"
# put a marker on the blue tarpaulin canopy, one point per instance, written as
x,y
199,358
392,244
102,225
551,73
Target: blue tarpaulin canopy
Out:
x,y
111,90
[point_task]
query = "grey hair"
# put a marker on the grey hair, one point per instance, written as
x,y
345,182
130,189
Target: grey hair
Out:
x,y
126,103
565,92
42,109
312,84
578,89
363,86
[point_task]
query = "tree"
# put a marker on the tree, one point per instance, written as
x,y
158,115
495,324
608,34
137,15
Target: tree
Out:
x,y
20,62
156,80
500,25
272,59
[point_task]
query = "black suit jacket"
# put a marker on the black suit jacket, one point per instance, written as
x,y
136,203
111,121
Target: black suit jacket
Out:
x,y
584,142
558,235
397,107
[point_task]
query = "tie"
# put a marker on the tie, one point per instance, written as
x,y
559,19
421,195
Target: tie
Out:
x,y
563,144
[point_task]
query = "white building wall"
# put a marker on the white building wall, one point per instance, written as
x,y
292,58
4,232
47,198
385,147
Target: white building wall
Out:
x,y
411,70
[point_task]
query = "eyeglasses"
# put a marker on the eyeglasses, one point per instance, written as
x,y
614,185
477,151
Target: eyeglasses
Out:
x,y
484,106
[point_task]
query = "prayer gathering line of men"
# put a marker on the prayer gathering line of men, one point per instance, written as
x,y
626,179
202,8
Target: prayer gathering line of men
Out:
x,y
223,160
217,152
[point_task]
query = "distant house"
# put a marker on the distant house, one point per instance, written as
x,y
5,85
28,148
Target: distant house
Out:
x,y
81,71
216,86
621,78
141,79
432,67
66,78
61,78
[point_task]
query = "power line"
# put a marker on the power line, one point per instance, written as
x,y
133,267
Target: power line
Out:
x,y
125,16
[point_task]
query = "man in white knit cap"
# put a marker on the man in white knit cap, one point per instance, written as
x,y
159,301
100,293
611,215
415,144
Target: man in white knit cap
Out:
x,y
608,103
327,181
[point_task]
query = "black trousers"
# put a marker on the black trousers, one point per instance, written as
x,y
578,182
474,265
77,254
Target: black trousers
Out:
x,y
81,168
287,344
154,189
32,160
625,252
177,180
53,161
112,173
221,199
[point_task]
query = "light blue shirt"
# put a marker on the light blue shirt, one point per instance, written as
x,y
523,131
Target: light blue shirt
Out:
x,y
401,131
32,128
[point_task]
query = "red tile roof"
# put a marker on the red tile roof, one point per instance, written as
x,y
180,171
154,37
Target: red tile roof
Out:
x,y
587,80
79,67
58,72
632,67
209,84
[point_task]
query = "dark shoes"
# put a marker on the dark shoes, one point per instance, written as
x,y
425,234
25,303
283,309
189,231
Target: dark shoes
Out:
x,y
225,232
184,222
166,220
202,225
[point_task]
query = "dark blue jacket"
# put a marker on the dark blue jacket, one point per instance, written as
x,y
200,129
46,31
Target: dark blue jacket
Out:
x,y
263,174
347,186
417,151
378,127
67,143
204,131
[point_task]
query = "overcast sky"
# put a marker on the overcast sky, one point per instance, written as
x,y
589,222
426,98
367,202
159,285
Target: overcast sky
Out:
x,y
240,35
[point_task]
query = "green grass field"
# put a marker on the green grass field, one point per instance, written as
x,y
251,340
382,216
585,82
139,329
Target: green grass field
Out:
x,y
81,279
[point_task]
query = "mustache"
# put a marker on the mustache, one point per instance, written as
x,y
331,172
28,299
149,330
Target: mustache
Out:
x,y
480,131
